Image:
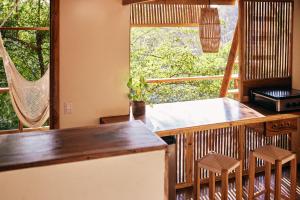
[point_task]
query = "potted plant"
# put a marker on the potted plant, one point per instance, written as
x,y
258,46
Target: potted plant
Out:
x,y
137,95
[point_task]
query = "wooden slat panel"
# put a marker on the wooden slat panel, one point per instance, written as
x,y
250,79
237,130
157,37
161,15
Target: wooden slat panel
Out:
x,y
165,15
224,141
268,42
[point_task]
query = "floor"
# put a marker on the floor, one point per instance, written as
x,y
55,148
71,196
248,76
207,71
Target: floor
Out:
x,y
187,194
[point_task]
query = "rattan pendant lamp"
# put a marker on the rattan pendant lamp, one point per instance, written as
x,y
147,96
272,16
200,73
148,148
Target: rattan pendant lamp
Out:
x,y
210,29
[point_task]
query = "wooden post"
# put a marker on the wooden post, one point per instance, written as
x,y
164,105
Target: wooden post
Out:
x,y
54,65
293,177
212,185
252,165
224,193
21,127
241,47
230,63
278,175
267,180
196,181
189,157
241,147
238,179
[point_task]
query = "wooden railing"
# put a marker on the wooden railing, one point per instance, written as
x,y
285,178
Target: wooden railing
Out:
x,y
175,80
3,90
20,126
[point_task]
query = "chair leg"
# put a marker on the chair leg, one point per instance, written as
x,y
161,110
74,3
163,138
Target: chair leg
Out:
x,y
293,178
267,180
238,179
252,164
196,182
224,183
212,185
278,175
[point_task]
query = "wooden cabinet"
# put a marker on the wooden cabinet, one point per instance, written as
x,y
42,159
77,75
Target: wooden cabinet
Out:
x,y
278,127
281,127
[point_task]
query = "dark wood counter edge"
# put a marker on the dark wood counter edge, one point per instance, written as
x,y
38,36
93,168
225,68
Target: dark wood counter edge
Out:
x,y
88,155
79,158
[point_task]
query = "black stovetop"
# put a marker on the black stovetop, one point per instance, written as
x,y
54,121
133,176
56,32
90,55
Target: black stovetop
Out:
x,y
278,93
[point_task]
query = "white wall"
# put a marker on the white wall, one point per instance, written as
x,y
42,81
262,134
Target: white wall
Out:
x,y
94,60
132,177
296,56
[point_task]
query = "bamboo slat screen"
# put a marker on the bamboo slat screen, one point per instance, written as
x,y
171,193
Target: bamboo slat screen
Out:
x,y
224,141
268,27
150,14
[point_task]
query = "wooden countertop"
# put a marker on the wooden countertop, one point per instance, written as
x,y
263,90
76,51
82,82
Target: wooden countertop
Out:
x,y
165,119
25,150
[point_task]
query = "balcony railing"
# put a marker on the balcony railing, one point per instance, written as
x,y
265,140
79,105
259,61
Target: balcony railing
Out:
x,y
234,77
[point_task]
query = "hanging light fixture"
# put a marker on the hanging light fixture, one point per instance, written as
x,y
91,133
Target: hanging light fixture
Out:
x,y
210,30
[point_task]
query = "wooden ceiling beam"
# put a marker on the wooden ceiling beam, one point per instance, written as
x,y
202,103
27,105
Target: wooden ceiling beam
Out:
x,y
190,2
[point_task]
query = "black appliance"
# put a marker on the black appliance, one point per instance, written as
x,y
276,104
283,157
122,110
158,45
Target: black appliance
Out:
x,y
276,99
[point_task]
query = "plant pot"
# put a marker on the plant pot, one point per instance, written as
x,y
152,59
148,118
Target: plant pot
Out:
x,y
138,108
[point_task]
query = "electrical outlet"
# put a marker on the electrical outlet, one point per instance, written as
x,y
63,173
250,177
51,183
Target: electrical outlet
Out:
x,y
68,107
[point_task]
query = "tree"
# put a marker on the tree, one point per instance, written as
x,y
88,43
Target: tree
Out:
x,y
175,52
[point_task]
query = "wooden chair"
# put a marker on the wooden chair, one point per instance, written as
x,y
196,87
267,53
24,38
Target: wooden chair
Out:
x,y
216,163
272,155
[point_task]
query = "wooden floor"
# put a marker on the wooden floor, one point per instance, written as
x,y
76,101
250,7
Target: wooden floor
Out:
x,y
187,194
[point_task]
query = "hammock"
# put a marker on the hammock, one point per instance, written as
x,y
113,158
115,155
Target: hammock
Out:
x,y
30,99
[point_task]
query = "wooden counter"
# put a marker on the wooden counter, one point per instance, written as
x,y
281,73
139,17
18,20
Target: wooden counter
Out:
x,y
171,118
35,149
222,125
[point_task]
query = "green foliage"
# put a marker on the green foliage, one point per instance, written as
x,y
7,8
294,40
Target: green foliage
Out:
x,y
137,89
29,50
175,52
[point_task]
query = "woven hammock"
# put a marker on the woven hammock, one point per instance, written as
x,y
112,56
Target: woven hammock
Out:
x,y
210,30
30,99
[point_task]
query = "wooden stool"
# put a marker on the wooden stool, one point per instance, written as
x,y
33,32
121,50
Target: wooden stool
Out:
x,y
272,155
216,163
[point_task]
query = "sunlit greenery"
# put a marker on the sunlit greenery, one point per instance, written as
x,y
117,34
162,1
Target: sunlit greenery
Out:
x,y
176,52
29,50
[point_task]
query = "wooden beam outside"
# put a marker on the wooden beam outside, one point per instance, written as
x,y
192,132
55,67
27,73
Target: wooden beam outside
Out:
x,y
25,28
189,2
4,90
230,63
187,79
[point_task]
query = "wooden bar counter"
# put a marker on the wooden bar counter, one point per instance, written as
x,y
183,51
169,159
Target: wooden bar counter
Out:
x,y
221,125
106,162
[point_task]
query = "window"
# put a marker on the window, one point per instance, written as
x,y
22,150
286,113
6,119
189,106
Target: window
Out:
x,y
172,61
27,40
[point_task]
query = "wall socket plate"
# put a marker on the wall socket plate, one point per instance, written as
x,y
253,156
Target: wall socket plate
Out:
x,y
68,108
